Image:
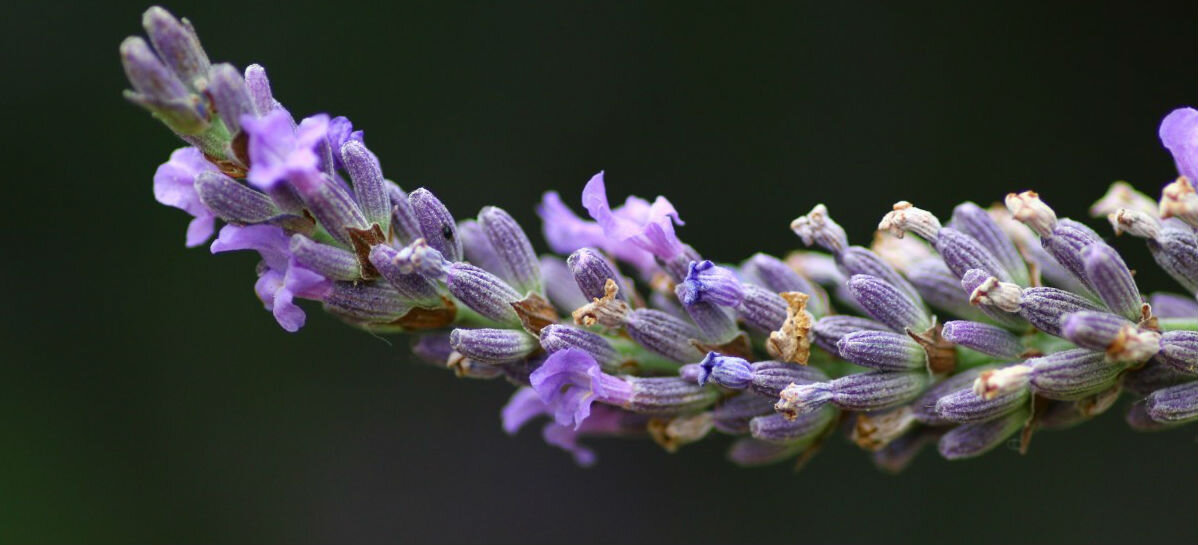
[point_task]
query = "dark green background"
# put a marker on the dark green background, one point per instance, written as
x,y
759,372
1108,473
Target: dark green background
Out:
x,y
147,397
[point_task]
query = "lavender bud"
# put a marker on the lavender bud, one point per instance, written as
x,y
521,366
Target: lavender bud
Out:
x,y
404,224
771,377
258,87
941,289
985,338
906,217
369,186
1119,338
882,350
1174,405
560,286
668,304
691,372
965,406
732,415
1044,307
963,253
421,259
178,44
1153,376
411,285
870,391
483,292
1137,418
436,224
366,301
667,395
1068,375
432,348
1176,251
332,206
1168,305
817,228
899,453
591,271
857,260
924,408
705,282
717,323
727,371
477,249
972,220
229,96
1068,240
493,346
663,334
1027,208
828,330
328,261
158,90
520,266
232,201
977,438
762,309
777,428
776,276
888,305
1179,350
556,337
749,452
1112,280
997,300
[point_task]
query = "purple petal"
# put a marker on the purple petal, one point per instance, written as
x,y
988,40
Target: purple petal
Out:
x,y
1179,133
523,406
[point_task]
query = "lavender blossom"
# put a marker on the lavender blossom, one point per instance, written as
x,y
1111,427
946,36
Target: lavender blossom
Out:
x,y
1052,328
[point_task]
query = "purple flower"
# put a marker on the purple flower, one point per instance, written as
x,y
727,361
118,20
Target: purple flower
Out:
x,y
174,185
1179,133
280,151
283,279
340,131
566,233
570,380
646,226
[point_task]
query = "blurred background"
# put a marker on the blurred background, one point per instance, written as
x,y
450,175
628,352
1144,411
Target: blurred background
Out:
x,y
147,397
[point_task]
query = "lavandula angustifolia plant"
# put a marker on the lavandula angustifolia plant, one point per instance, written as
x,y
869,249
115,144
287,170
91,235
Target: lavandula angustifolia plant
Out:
x,y
992,324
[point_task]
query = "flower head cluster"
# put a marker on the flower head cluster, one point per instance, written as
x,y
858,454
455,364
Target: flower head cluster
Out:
x,y
995,323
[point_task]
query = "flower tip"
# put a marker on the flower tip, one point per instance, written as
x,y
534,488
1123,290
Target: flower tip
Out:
x,y
991,384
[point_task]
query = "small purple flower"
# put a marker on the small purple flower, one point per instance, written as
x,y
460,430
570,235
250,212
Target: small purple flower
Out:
x,y
570,380
283,279
341,130
280,151
1179,133
646,226
174,185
